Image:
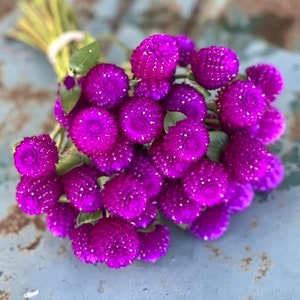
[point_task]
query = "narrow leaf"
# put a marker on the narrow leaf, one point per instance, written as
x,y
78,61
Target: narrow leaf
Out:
x,y
69,98
85,218
171,118
218,141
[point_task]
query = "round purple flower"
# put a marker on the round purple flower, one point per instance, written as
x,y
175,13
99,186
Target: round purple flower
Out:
x,y
81,188
186,99
147,216
273,177
176,205
94,130
105,85
214,67
117,159
239,196
36,156
141,120
212,223
206,182
245,158
81,244
37,195
154,244
186,49
155,57
268,78
115,242
124,196
153,89
188,140
241,104
61,219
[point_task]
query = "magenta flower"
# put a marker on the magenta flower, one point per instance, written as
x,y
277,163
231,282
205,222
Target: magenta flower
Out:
x,y
214,67
37,195
115,242
94,130
186,49
186,99
81,188
245,158
212,223
154,244
268,78
61,219
124,196
155,57
241,104
154,89
147,216
105,85
141,120
36,156
81,244
176,205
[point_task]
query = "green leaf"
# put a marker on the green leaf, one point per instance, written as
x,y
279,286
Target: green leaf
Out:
x,y
171,118
85,218
85,58
102,180
69,98
218,141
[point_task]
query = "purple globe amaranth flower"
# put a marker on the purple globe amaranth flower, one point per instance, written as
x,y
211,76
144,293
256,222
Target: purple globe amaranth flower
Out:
x,y
115,242
153,89
245,158
154,244
176,205
156,57
37,195
144,169
188,140
270,127
206,182
212,223
117,159
94,130
215,66
124,196
36,156
273,177
81,188
241,104
61,219
268,78
186,49
186,99
81,244
105,85
239,196
147,216
141,120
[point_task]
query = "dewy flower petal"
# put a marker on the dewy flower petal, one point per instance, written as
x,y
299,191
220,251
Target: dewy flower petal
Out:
x,y
105,85
214,67
94,130
115,242
155,58
154,244
186,49
154,89
36,156
147,216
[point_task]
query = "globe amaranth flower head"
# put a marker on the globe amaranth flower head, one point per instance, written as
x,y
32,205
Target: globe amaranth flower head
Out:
x,y
105,85
241,104
37,195
186,49
206,182
214,67
124,196
155,58
81,188
36,156
115,242
184,98
154,244
268,78
94,130
154,89
147,216
141,120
